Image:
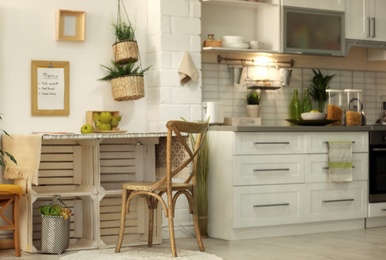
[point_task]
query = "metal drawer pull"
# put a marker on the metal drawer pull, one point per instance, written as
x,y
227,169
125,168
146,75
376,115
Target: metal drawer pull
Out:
x,y
325,142
271,205
378,149
327,168
270,170
332,201
271,142
383,209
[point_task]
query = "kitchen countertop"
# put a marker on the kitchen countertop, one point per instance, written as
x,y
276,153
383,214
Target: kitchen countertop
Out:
x,y
365,128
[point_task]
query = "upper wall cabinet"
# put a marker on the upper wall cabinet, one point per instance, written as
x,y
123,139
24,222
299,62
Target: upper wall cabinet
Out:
x,y
365,20
334,5
253,21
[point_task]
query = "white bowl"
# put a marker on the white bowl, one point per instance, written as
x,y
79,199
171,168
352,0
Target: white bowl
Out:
x,y
313,116
236,45
232,39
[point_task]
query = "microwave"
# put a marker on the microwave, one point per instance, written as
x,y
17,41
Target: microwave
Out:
x,y
313,31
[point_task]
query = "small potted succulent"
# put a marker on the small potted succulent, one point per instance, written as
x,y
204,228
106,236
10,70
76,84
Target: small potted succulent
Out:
x,y
252,101
127,82
125,47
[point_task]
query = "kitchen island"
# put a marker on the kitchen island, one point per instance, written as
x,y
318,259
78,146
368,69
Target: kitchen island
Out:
x,y
273,181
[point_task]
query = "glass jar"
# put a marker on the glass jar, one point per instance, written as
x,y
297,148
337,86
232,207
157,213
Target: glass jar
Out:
x,y
335,106
354,107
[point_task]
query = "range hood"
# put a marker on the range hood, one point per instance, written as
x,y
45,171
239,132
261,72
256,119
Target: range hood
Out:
x,y
365,44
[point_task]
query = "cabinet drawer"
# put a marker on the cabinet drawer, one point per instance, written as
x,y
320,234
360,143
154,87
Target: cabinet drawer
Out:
x,y
335,201
317,142
377,210
267,205
316,167
269,143
268,169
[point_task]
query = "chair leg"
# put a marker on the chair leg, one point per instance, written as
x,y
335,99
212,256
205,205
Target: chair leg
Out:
x,y
171,233
123,221
197,231
151,226
16,232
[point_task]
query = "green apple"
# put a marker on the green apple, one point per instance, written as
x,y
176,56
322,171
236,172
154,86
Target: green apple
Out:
x,y
95,116
105,117
103,126
86,129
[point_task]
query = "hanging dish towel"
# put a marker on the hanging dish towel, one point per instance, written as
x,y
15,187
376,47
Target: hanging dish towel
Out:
x,y
340,161
26,150
187,70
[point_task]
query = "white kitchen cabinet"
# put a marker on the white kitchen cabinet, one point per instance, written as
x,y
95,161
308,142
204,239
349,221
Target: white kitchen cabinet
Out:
x,y
334,5
365,20
87,172
252,20
276,183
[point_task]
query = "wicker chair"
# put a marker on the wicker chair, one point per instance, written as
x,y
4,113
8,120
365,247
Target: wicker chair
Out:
x,y
153,191
9,196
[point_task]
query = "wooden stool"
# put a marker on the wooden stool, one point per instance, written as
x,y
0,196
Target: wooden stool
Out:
x,y
10,195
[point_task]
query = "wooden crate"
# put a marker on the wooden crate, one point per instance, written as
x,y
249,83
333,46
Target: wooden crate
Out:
x,y
89,117
83,231
136,227
67,166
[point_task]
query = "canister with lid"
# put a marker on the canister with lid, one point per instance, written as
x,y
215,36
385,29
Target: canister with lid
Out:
x,y
335,106
354,107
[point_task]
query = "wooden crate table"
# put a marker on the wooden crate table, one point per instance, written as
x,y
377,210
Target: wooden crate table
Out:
x,y
87,171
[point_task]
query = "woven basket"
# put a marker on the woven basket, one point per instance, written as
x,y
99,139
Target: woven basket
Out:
x,y
128,88
125,52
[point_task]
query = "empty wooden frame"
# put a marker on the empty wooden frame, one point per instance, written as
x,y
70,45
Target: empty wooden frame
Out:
x,y
70,25
50,92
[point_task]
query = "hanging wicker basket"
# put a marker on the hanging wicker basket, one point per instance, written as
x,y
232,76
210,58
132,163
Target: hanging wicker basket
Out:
x,y
128,88
125,52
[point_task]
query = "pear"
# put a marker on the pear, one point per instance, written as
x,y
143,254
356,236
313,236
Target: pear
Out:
x,y
117,118
95,116
105,117
114,122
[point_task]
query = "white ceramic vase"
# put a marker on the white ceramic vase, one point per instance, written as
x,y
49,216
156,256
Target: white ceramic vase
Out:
x,y
253,110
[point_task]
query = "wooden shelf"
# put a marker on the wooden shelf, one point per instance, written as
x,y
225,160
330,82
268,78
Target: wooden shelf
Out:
x,y
239,4
223,49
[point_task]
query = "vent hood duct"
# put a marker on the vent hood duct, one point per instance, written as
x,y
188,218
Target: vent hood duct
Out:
x,y
365,44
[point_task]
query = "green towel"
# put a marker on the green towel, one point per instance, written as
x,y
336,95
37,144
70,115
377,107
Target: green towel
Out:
x,y
340,161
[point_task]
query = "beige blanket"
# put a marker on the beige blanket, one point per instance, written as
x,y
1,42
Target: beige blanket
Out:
x,y
26,150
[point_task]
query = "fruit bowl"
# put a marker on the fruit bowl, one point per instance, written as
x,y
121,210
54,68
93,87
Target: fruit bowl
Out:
x,y
313,116
103,121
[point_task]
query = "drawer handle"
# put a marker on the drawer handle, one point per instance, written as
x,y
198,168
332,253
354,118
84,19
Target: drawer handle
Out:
x,y
383,209
271,142
325,142
271,205
327,168
270,170
333,201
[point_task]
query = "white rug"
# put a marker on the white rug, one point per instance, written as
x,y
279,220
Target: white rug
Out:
x,y
138,254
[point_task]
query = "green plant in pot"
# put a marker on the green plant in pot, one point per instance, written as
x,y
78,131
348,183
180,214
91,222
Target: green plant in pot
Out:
x,y
5,154
253,100
127,81
319,84
125,47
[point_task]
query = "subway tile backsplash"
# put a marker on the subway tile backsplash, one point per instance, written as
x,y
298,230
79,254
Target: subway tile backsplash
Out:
x,y
217,85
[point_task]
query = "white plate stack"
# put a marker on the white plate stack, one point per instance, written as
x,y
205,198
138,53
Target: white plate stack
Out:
x,y
236,42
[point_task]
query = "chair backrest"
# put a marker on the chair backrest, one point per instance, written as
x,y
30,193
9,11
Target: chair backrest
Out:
x,y
184,132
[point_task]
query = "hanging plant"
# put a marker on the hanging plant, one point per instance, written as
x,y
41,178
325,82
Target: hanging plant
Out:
x,y
125,47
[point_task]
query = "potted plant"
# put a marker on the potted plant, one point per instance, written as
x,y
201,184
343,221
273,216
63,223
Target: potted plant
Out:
x,y
319,84
127,81
4,154
252,100
125,47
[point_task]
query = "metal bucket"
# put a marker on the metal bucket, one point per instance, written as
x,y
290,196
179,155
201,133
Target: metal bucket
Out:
x,y
55,234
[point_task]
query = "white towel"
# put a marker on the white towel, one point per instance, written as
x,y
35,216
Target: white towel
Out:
x,y
187,70
340,161
26,150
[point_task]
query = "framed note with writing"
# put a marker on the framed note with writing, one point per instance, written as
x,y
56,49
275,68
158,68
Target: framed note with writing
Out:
x,y
50,92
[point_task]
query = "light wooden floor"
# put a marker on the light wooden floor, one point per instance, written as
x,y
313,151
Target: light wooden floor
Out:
x,y
365,244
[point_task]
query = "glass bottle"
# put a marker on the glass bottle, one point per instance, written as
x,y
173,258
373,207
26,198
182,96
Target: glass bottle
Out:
x,y
295,107
307,105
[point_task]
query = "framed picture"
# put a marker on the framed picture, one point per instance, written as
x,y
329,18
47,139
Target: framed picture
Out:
x,y
70,25
50,92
